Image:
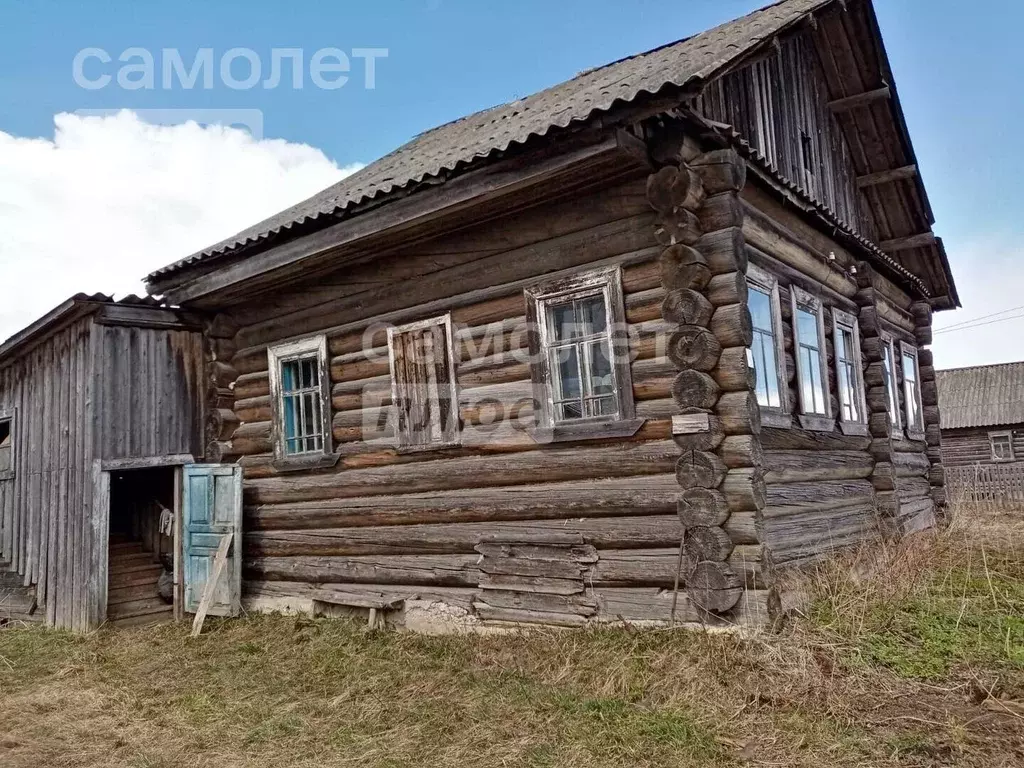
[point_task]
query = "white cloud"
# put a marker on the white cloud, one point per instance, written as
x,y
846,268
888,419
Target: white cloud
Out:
x,y
989,274
112,198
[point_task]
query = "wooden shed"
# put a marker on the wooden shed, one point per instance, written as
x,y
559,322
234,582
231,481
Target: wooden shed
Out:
x,y
100,402
982,412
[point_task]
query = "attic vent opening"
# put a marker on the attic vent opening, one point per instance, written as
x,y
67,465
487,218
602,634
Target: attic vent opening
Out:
x,y
6,446
807,152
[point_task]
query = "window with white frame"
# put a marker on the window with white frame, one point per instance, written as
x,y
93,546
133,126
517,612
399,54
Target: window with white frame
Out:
x,y
766,353
1002,446
300,399
424,385
912,390
579,349
849,370
891,386
812,371
6,445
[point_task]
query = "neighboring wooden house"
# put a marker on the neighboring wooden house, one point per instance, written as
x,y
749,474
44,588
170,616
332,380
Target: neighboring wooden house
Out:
x,y
662,325
100,401
983,430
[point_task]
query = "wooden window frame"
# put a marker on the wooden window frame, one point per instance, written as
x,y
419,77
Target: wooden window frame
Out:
x,y
815,422
1008,434
288,352
765,282
452,431
914,431
11,415
892,385
845,321
608,283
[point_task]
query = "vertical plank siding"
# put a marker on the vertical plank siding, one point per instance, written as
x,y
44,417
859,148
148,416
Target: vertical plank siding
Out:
x,y
777,101
87,392
45,506
150,382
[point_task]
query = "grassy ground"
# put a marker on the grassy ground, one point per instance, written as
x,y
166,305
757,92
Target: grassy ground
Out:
x,y
922,667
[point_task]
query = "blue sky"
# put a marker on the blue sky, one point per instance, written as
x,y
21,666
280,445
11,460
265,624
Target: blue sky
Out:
x,y
955,65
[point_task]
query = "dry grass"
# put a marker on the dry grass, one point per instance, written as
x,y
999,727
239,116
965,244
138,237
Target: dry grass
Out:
x,y
918,667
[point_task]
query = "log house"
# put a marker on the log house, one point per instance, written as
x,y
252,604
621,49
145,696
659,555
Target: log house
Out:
x,y
623,350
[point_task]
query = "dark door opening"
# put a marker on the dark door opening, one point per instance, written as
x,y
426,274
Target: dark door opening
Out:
x,y
140,589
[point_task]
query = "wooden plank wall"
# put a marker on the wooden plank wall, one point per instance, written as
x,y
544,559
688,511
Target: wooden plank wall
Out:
x,y
776,101
45,528
968,447
150,392
385,521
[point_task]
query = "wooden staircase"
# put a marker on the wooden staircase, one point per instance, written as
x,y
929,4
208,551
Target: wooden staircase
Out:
x,y
132,596
17,602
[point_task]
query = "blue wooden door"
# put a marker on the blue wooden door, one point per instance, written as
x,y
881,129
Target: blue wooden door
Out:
x,y
212,501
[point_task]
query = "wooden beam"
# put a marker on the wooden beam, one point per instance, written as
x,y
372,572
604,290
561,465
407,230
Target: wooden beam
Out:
x,y
884,177
860,99
211,585
906,243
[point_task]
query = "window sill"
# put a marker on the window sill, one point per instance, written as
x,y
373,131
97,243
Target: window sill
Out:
x,y
303,463
913,434
817,423
593,430
776,419
855,428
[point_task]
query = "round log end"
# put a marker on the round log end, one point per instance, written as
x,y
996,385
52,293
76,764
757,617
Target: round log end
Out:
x,y
702,507
714,587
694,347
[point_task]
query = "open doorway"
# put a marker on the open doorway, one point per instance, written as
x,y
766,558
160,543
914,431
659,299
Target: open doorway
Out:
x,y
141,589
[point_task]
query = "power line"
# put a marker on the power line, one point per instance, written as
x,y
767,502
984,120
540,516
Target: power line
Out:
x,y
977,319
978,325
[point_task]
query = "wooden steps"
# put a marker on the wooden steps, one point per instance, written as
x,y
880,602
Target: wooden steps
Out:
x,y
132,596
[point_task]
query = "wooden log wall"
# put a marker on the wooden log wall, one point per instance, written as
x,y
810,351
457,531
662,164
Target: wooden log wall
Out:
x,y
384,521
970,447
45,523
699,224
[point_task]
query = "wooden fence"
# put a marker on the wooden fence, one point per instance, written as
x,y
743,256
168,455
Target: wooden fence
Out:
x,y
996,485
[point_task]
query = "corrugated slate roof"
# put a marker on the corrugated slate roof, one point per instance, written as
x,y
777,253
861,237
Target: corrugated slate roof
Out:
x,y
985,396
494,130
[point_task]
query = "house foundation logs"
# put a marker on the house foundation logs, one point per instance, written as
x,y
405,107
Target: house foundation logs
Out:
x,y
703,273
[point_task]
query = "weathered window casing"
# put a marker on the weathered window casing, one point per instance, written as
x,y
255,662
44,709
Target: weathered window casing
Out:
x,y
767,356
853,407
1001,444
300,396
912,391
424,384
8,444
600,404
811,362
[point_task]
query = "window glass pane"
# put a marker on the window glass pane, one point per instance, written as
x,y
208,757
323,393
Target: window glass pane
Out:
x,y
571,410
890,383
843,344
760,309
563,322
807,327
766,374
604,406
602,381
593,315
566,362
909,368
289,376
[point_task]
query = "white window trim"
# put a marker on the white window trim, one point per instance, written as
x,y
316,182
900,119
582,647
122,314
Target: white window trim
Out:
x,y
812,421
914,431
452,431
1008,434
844,320
607,281
283,353
892,384
769,283
11,415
